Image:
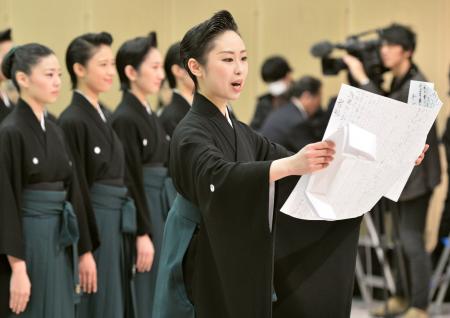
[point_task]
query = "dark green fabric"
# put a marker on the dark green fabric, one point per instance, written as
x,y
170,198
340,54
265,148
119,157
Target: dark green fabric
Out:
x,y
171,300
169,193
50,227
157,182
159,193
115,215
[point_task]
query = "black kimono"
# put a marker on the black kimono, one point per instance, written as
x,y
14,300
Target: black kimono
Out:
x,y
51,117
106,111
174,112
99,159
223,172
314,260
37,173
146,146
4,110
314,266
444,228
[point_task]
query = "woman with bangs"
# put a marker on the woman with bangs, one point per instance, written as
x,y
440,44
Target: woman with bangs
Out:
x,y
140,68
100,162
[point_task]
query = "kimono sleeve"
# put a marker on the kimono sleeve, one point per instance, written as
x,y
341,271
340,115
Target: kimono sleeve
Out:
x,y
233,198
265,149
75,135
11,161
128,134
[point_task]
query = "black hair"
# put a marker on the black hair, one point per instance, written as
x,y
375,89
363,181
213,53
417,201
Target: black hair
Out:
x,y
22,59
81,50
308,84
401,35
133,52
198,41
5,35
172,58
275,68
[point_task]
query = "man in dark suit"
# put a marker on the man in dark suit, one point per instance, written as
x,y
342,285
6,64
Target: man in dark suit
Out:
x,y
5,102
397,48
182,88
277,73
301,121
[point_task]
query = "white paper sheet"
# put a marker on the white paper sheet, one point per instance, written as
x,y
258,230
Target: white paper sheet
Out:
x,y
377,141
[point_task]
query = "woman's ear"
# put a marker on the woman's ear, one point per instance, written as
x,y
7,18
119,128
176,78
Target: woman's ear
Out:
x,y
79,70
176,70
131,73
195,67
22,79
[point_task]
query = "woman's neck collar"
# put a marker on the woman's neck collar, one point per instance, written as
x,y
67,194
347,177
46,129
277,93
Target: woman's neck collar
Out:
x,y
186,93
141,96
37,108
91,96
220,103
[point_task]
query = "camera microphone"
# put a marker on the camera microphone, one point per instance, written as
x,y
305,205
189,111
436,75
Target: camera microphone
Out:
x,y
322,49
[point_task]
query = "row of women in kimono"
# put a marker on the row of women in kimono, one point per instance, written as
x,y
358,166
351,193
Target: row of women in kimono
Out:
x,y
84,201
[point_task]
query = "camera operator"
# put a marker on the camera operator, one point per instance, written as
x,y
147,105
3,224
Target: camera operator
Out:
x,y
397,48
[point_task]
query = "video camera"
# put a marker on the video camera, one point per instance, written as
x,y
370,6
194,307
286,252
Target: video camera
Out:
x,y
368,52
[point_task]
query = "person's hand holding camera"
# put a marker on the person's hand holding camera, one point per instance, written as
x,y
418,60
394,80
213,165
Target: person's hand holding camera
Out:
x,y
356,69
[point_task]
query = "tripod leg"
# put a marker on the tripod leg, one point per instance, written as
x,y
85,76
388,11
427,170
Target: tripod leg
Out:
x,y
362,283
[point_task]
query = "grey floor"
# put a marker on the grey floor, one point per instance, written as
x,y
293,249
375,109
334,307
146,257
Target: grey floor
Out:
x,y
360,310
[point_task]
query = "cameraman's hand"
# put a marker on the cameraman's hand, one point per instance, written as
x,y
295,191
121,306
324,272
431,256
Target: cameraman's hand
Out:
x,y
356,69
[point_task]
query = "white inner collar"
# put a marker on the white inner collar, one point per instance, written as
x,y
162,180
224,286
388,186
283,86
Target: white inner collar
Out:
x,y
97,106
42,121
227,115
5,99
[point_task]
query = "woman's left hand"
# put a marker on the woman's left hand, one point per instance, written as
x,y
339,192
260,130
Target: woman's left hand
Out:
x,y
422,155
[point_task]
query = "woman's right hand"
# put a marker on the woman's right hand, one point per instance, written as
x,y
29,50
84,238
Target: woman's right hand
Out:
x,y
311,158
88,273
145,253
20,286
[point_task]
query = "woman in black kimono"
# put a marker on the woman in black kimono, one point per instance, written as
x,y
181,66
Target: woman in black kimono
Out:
x,y
100,163
6,104
223,172
146,144
182,90
38,226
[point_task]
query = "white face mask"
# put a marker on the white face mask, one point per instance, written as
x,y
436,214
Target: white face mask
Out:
x,y
278,88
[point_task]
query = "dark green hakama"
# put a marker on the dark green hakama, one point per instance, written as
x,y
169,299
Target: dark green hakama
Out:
x,y
171,299
116,217
159,192
50,227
